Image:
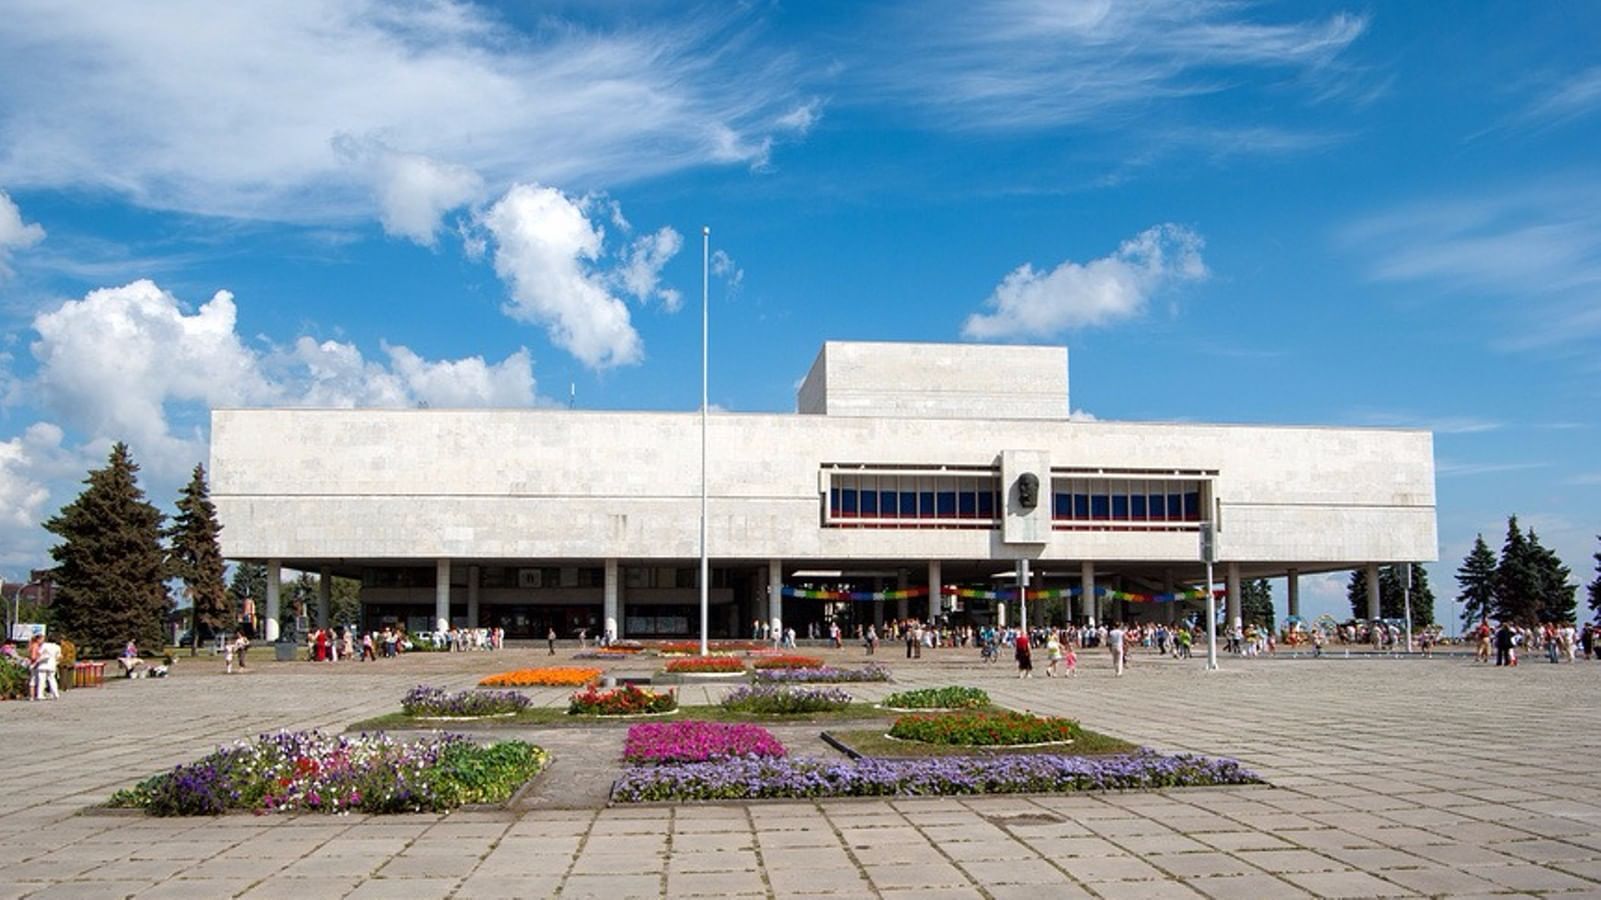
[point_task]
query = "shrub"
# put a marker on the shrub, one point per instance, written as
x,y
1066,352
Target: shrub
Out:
x,y
821,675
431,701
938,698
13,676
674,742
789,662
984,729
705,664
547,676
781,700
309,771
629,700
756,778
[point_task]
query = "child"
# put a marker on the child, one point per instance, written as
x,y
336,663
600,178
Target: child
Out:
x,y
227,658
1072,662
1053,649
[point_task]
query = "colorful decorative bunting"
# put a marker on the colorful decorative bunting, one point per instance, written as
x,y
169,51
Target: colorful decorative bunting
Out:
x,y
856,596
1001,594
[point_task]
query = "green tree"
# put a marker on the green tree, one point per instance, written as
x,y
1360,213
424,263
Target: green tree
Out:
x,y
1595,586
1476,578
1256,603
1392,601
110,567
249,582
1516,581
1356,590
196,558
345,607
1553,592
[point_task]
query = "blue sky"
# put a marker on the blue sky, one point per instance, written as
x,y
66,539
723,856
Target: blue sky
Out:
x,y
1310,213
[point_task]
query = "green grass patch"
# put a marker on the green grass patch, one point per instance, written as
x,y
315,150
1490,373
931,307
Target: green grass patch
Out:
x,y
872,742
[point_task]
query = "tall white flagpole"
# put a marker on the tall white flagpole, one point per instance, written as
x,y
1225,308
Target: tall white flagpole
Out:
x,y
705,567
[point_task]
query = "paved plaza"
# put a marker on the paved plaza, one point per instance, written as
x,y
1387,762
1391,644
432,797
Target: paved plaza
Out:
x,y
1389,777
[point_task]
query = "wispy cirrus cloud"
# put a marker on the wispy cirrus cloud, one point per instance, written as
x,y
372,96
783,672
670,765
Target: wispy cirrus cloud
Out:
x,y
1535,248
311,111
1024,64
1385,418
1451,468
1569,96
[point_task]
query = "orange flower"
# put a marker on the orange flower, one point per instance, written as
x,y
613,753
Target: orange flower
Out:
x,y
549,676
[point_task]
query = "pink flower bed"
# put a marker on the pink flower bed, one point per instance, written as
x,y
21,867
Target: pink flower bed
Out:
x,y
670,742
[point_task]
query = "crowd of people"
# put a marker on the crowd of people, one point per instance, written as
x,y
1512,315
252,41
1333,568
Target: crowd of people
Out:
x,y
1560,642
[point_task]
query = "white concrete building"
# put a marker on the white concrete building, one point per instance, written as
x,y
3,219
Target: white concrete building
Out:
x,y
903,470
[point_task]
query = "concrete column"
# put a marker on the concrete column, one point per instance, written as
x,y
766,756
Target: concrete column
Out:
x,y
442,595
775,594
903,605
1000,614
1292,591
1086,600
609,621
936,597
1373,590
269,628
1233,614
325,595
473,577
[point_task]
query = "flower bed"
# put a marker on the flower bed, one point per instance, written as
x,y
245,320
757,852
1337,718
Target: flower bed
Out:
x,y
606,653
629,700
781,700
678,742
820,675
789,662
984,729
755,779
938,698
547,676
692,648
704,664
309,771
423,700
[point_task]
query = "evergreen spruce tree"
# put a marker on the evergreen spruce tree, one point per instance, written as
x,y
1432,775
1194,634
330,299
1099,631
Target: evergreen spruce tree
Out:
x,y
1392,601
1554,601
1516,587
1476,578
196,558
1256,603
1357,592
1422,597
110,567
1595,587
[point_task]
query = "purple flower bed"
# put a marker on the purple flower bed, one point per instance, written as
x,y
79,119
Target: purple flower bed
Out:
x,y
676,742
782,700
821,675
754,779
423,700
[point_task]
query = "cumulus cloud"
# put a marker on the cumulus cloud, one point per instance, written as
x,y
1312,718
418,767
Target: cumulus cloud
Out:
x,y
129,363
1032,303
244,108
14,233
27,463
414,192
642,265
547,250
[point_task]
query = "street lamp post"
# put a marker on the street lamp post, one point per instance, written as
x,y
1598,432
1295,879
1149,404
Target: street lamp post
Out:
x,y
1208,555
705,567
1406,601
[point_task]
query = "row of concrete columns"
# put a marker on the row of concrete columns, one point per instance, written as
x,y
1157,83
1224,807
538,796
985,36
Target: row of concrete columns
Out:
x,y
775,598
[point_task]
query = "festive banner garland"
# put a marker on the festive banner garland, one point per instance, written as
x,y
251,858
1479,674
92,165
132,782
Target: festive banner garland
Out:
x,y
857,596
1102,592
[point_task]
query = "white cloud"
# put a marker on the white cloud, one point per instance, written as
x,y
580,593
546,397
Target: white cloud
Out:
x,y
415,191
241,109
724,267
130,364
642,265
801,119
1031,303
1571,97
1081,415
1040,63
26,463
546,250
14,233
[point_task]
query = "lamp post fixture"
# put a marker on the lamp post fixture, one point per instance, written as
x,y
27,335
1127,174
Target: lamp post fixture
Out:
x,y
705,567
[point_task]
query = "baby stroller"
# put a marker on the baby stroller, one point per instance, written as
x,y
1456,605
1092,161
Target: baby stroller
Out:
x,y
986,650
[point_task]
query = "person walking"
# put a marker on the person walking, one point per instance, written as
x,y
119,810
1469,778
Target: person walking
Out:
x,y
49,659
550,640
1503,645
1053,654
35,679
241,643
1114,642
1023,655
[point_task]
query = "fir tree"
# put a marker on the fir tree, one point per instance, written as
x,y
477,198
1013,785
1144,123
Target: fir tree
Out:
x,y
1516,587
110,567
1392,601
1553,593
1476,578
1357,592
1256,603
196,558
1595,587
